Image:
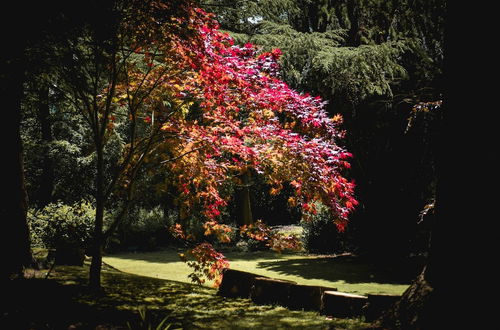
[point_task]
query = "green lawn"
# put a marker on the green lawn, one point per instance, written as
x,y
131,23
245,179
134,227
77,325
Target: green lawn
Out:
x,y
63,302
347,274
157,282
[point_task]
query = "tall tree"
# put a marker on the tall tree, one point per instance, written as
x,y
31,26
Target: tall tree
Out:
x,y
15,231
107,69
373,60
243,120
47,179
461,242
14,201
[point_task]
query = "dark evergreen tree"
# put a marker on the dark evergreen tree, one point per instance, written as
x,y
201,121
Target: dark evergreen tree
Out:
x,y
462,239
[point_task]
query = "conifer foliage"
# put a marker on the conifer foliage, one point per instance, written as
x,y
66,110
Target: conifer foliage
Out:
x,y
353,49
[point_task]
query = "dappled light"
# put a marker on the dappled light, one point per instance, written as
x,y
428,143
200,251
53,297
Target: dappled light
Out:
x,y
186,305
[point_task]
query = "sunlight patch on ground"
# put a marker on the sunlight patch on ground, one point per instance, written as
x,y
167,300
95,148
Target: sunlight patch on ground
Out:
x,y
345,276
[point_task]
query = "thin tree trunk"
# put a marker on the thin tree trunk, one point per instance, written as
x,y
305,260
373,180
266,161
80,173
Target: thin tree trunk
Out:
x,y
98,239
245,212
46,188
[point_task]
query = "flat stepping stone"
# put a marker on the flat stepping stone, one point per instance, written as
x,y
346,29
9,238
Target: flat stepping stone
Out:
x,y
236,283
270,291
307,297
342,304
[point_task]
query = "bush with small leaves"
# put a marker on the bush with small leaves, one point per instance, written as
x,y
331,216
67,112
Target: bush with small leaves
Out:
x,y
62,225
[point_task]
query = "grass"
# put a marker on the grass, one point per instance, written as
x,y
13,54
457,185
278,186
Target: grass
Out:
x,y
63,302
346,273
142,290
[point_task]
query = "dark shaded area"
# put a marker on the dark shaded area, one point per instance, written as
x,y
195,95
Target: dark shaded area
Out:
x,y
340,304
348,269
271,209
378,304
307,297
47,304
270,291
463,239
395,178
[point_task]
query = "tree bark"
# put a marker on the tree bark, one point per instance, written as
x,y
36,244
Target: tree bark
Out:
x,y
98,239
46,188
450,292
354,14
245,208
15,231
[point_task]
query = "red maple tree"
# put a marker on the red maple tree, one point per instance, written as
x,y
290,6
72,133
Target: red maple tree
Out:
x,y
221,111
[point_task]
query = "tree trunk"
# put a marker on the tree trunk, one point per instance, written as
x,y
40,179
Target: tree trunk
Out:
x,y
16,239
98,239
453,290
415,310
46,188
354,14
245,205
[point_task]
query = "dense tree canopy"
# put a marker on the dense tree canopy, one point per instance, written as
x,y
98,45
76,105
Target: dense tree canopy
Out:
x,y
140,106
156,86
373,61
154,97
234,116
347,49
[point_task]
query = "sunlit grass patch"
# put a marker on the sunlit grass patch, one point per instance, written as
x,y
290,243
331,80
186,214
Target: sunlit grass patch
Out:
x,y
344,273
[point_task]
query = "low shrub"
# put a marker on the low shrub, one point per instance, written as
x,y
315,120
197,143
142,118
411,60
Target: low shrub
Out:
x,y
142,229
62,225
320,234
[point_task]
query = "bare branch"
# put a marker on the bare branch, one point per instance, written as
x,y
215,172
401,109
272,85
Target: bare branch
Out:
x,y
182,155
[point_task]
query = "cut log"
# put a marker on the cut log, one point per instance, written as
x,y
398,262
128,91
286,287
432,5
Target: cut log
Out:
x,y
307,297
236,283
342,304
270,291
377,304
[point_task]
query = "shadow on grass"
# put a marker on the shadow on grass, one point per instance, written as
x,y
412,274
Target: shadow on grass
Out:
x,y
63,301
47,304
346,268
